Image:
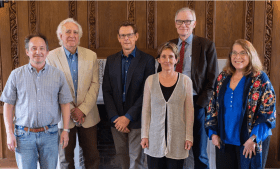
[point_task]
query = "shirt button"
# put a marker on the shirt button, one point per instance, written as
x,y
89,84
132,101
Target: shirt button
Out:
x,y
38,89
127,61
39,112
74,70
75,80
125,71
39,100
230,105
231,101
73,60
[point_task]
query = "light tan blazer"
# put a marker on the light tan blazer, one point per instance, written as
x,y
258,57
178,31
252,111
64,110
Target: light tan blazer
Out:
x,y
88,83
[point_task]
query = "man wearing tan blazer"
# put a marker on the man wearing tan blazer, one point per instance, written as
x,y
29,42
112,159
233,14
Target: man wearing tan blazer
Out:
x,y
80,68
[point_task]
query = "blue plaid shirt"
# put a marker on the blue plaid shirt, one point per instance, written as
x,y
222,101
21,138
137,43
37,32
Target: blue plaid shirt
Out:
x,y
36,96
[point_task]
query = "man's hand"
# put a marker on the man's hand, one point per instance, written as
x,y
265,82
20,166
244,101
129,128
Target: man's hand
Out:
x,y
249,148
11,141
64,138
216,140
121,123
144,143
77,115
188,145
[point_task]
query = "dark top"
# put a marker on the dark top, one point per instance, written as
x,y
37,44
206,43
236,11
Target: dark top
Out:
x,y
167,92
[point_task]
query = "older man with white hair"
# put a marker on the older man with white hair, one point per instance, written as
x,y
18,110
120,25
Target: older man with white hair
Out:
x,y
80,67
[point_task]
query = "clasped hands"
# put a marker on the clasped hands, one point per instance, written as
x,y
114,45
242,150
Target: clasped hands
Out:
x,y
249,146
121,124
77,115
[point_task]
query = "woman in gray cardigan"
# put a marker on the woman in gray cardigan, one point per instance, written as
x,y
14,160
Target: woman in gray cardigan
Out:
x,y
167,113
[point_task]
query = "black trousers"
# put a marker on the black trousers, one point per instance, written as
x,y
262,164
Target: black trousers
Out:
x,y
164,163
231,158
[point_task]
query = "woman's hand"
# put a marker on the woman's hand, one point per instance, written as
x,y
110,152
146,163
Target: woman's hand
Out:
x,y
145,143
188,145
216,140
249,148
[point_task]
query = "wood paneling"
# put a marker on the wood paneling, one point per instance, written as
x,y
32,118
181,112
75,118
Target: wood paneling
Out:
x,y
221,21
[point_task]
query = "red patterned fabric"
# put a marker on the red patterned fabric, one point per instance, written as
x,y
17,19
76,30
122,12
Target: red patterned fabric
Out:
x,y
179,66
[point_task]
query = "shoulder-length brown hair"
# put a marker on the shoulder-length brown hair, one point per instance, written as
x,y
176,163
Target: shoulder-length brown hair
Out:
x,y
254,65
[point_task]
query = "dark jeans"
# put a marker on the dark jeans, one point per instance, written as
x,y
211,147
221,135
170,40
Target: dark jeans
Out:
x,y
199,138
232,157
164,163
87,141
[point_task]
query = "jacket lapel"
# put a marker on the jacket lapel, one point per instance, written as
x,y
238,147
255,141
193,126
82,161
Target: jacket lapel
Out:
x,y
118,71
132,67
196,49
64,64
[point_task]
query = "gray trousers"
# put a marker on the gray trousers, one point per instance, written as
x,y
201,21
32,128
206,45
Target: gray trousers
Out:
x,y
128,149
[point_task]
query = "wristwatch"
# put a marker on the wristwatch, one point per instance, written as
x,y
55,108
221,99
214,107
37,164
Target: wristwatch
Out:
x,y
253,138
66,130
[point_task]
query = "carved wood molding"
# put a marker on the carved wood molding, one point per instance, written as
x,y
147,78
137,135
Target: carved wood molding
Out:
x,y
210,7
249,24
33,20
91,25
151,24
268,35
73,9
131,11
190,4
14,34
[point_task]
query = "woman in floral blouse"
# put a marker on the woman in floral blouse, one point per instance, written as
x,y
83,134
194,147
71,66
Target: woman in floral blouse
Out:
x,y
241,112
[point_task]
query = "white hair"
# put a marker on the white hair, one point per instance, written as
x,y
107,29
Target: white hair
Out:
x,y
62,23
186,9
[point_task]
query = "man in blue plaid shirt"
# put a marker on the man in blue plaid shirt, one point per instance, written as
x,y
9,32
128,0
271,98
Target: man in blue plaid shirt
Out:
x,y
38,92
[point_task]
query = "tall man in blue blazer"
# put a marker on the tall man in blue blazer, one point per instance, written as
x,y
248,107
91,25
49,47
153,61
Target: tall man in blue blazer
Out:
x,y
123,85
200,64
80,68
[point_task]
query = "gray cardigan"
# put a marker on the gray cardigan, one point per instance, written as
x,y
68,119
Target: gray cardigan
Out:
x,y
180,117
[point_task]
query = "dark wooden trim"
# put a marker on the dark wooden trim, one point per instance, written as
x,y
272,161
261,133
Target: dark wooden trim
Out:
x,y
191,4
1,78
33,17
131,11
249,20
268,36
151,5
91,25
14,34
210,10
73,9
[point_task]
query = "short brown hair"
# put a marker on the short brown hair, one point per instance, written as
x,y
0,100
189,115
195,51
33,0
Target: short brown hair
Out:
x,y
128,23
29,37
168,45
254,65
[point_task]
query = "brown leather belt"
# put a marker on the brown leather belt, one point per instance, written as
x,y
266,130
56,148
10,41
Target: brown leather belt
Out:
x,y
36,130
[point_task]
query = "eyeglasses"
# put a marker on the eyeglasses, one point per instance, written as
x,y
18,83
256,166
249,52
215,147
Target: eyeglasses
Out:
x,y
130,35
187,22
242,53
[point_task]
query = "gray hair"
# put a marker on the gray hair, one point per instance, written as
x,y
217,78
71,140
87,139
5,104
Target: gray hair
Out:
x,y
186,9
62,23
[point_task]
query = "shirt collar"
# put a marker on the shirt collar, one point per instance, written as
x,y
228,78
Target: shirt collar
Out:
x,y
133,53
30,67
69,53
188,40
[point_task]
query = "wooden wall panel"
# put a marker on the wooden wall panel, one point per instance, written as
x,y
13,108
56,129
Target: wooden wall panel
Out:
x,y
51,13
230,18
140,9
110,15
200,28
23,30
82,18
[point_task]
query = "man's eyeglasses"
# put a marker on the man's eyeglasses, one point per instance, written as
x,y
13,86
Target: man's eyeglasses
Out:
x,y
242,53
130,35
187,22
